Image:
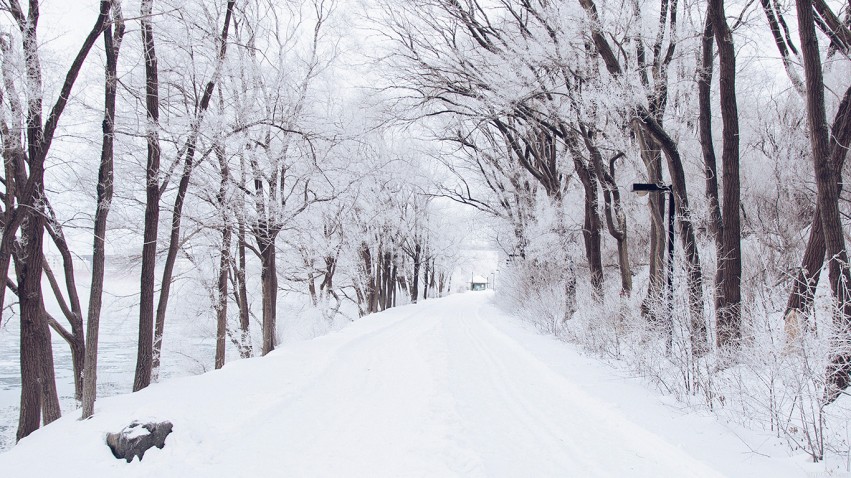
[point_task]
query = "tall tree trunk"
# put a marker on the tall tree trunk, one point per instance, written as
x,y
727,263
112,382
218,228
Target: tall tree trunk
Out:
x,y
144,355
827,185
651,155
224,260
704,86
369,294
381,277
394,280
241,292
112,46
388,280
36,351
728,290
592,225
612,206
694,273
415,285
29,418
222,290
269,286
804,287
426,275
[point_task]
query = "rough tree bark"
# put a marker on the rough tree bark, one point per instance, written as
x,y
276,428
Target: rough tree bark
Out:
x,y
112,46
827,185
710,169
38,386
266,236
241,288
615,217
803,291
224,260
147,278
728,276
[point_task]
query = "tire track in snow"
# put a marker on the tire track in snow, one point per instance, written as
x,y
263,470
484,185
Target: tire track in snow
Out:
x,y
576,434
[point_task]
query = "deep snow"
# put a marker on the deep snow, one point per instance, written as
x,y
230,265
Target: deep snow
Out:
x,y
449,387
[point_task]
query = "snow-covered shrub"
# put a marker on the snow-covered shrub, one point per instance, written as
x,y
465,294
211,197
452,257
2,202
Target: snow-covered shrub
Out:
x,y
539,291
768,384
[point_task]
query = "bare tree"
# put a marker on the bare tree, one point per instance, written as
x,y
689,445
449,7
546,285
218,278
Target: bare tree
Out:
x,y
827,184
728,276
112,37
38,387
189,151
147,279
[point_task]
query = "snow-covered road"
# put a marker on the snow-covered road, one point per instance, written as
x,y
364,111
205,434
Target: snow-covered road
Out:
x,y
442,389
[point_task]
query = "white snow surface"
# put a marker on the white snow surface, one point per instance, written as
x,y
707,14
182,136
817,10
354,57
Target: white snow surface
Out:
x,y
450,387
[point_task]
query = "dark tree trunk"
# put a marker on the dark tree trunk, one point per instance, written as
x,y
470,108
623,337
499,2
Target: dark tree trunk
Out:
x,y
269,283
39,400
222,290
592,225
612,205
144,355
224,261
804,288
112,46
827,185
704,86
728,283
651,155
415,285
716,223
241,293
370,294
426,276
388,280
381,274
394,281
34,336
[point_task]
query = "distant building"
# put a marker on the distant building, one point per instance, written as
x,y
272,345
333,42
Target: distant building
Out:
x,y
478,283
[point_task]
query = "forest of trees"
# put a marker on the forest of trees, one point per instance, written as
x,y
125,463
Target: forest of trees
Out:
x,y
311,146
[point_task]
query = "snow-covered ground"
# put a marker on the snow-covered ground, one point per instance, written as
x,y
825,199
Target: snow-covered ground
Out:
x,y
448,387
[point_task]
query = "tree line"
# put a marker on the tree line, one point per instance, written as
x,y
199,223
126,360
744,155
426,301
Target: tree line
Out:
x,y
220,132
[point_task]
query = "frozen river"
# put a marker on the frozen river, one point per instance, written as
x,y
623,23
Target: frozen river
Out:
x,y
188,350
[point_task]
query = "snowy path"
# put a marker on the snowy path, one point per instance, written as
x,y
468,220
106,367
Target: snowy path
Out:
x,y
428,390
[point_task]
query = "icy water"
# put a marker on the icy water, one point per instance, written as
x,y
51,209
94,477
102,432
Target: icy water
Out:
x,y
188,347
115,372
